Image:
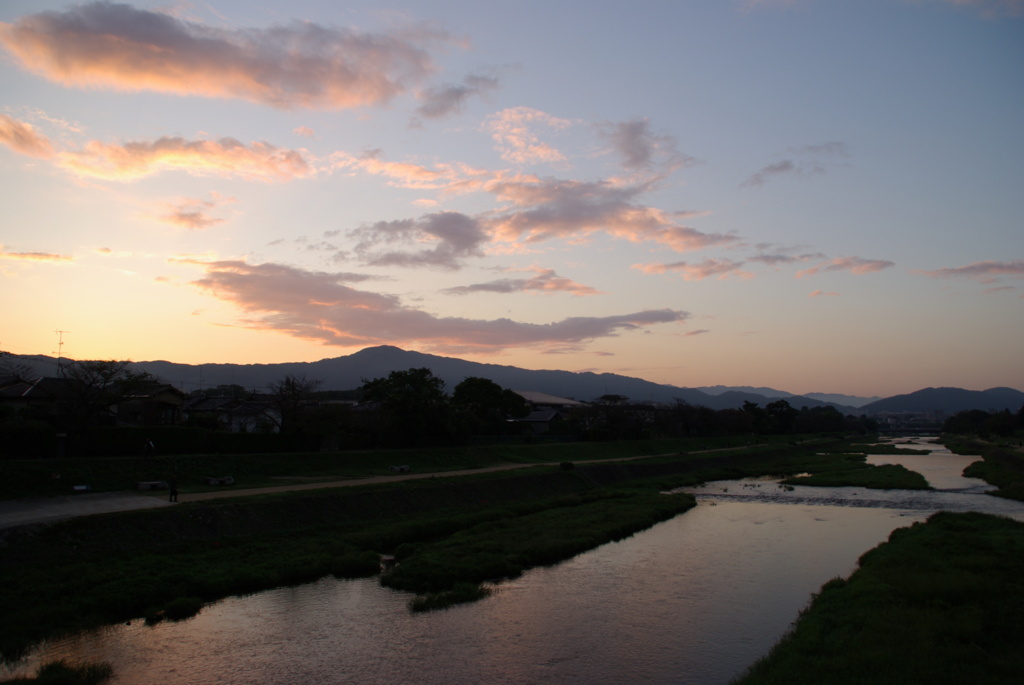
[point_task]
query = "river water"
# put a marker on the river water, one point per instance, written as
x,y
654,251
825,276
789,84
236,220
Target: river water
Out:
x,y
696,599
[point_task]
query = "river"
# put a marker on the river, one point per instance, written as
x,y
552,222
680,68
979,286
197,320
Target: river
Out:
x,y
696,599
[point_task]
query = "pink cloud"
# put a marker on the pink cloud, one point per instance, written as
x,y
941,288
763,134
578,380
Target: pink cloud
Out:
x,y
855,265
23,138
822,293
303,64
986,271
545,280
450,178
320,306
547,209
195,213
513,130
34,256
226,157
718,268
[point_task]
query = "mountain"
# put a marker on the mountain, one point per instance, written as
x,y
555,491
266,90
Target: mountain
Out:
x,y
772,393
346,373
949,401
849,400
349,372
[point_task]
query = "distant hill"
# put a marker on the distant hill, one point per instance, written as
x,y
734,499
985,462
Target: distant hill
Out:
x,y
949,401
348,372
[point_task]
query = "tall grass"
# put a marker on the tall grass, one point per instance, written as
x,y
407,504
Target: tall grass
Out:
x,y
939,603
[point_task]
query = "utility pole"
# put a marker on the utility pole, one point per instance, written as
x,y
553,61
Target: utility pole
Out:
x,y
60,347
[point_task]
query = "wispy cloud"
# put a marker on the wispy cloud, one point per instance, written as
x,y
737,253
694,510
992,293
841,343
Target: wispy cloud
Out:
x,y
822,293
226,157
320,306
450,178
780,258
451,237
640,148
34,256
303,64
806,160
855,265
441,101
709,268
23,138
513,131
545,281
195,213
544,209
986,271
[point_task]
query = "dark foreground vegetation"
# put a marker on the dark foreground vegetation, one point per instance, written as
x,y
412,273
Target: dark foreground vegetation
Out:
x,y
63,673
939,603
1002,463
449,535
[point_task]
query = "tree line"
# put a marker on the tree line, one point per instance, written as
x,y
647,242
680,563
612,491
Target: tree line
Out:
x,y
407,408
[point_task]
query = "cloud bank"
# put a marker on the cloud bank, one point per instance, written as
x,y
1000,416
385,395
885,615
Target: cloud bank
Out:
x,y
320,306
301,65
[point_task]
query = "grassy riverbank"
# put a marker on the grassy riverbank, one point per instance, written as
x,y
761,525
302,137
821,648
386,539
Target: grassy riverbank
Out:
x,y
939,603
1002,465
63,673
43,477
449,533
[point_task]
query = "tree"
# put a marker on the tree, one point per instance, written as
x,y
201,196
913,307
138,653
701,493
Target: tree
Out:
x,y
412,406
95,386
783,416
485,407
293,396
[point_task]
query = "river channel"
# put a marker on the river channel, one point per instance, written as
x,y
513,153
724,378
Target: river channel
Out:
x,y
696,599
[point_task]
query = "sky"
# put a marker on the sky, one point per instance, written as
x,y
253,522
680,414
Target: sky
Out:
x,y
808,195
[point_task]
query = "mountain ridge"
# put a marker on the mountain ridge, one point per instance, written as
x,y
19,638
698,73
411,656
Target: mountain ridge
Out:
x,y
349,372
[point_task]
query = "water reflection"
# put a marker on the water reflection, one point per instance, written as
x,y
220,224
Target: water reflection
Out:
x,y
692,600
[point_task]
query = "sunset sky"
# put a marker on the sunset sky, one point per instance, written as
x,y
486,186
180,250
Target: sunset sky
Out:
x,y
812,195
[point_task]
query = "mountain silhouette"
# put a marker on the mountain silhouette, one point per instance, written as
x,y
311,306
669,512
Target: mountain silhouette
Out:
x,y
349,372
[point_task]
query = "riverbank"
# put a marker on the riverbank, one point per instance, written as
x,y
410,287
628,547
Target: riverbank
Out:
x,y
86,572
1001,465
939,603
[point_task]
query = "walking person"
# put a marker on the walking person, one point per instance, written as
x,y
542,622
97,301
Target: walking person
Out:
x,y
174,489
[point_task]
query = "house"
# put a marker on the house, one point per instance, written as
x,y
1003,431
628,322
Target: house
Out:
x,y
254,414
158,404
547,411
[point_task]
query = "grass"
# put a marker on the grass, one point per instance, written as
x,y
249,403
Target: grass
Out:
x,y
505,547
939,603
884,477
35,477
63,673
1002,465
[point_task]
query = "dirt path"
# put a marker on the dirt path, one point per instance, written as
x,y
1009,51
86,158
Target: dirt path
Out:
x,y
47,509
